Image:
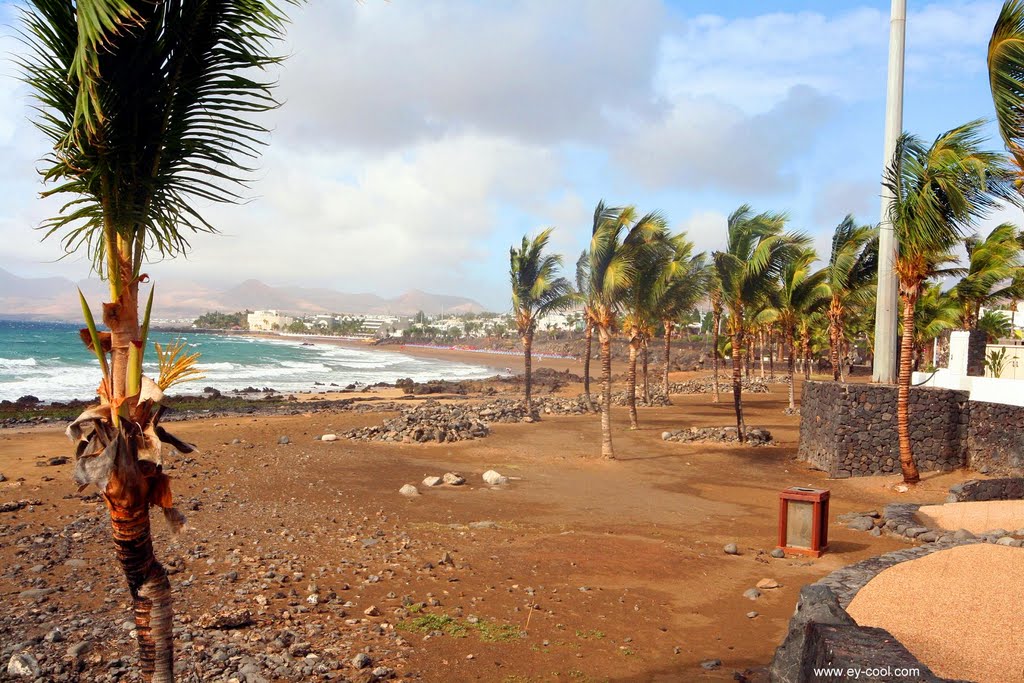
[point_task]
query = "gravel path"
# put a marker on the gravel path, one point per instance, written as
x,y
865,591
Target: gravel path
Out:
x,y
957,610
976,517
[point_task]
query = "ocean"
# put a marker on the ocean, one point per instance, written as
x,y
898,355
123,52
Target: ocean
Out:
x,y
49,361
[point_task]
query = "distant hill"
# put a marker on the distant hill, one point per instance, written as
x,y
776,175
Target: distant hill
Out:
x,y
54,298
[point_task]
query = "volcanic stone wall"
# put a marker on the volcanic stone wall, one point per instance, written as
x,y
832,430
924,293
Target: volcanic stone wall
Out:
x,y
995,440
849,430
1009,488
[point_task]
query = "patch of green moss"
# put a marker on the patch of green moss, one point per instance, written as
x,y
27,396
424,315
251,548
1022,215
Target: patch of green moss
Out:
x,y
487,631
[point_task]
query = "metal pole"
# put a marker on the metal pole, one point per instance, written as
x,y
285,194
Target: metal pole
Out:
x,y
884,369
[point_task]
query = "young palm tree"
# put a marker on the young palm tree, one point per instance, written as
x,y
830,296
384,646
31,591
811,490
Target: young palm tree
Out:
x,y
715,295
537,291
151,107
936,312
618,242
756,253
939,191
992,273
851,276
801,292
684,281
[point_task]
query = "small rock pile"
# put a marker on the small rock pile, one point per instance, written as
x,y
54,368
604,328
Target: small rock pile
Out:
x,y
621,398
441,423
755,436
557,405
706,385
432,387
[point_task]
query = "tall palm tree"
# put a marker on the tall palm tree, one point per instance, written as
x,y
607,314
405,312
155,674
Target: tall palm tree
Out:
x,y
151,107
537,291
639,303
756,253
583,298
939,191
684,280
800,293
618,242
992,277
851,275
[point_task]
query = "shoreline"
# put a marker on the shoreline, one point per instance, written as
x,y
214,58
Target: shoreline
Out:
x,y
497,360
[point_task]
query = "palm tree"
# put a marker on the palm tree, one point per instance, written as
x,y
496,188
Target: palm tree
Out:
x,y
992,277
939,191
936,312
639,303
995,326
583,297
1006,77
800,293
537,291
715,294
617,244
684,280
851,276
756,253
151,107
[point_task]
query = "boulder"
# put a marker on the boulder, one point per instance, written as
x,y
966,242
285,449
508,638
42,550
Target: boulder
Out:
x,y
817,604
493,478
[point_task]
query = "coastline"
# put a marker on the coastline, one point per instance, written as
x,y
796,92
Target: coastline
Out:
x,y
496,360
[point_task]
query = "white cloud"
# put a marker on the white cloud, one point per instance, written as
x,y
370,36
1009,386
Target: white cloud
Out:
x,y
841,197
415,218
706,229
752,61
705,143
380,75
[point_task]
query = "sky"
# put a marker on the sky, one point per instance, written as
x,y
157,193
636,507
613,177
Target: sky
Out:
x,y
419,139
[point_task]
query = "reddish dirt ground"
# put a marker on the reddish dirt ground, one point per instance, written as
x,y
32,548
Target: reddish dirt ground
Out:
x,y
611,570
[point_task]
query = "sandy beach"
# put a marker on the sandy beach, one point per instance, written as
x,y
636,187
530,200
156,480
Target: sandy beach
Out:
x,y
499,362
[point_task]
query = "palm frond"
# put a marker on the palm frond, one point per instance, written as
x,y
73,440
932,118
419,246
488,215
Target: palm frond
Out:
x,y
150,109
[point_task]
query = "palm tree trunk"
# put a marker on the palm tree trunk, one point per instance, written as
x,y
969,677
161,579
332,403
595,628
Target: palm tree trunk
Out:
x,y
760,341
631,383
586,366
606,395
149,588
714,352
807,353
644,359
907,464
668,355
528,366
792,370
737,380
833,339
771,352
126,498
746,356
844,358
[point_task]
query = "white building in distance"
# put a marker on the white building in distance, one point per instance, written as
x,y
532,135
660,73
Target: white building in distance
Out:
x,y
267,321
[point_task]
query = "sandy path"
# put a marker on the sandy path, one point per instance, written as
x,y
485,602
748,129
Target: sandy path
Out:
x,y
976,517
957,610
643,535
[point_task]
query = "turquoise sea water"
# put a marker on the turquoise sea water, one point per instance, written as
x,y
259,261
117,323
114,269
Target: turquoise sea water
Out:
x,y
49,361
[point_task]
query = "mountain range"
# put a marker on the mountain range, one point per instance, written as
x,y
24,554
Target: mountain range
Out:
x,y
53,298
